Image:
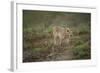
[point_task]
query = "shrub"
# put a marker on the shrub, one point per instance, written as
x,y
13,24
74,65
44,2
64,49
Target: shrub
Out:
x,y
79,42
82,51
84,29
49,30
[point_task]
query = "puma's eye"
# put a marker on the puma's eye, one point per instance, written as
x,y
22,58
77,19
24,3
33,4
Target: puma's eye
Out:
x,y
67,30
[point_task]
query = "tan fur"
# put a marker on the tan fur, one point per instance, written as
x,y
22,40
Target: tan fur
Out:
x,y
60,34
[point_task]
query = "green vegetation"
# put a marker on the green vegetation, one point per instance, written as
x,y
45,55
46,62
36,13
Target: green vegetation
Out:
x,y
82,51
38,39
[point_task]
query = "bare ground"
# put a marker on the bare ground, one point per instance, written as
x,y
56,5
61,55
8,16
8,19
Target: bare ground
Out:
x,y
52,53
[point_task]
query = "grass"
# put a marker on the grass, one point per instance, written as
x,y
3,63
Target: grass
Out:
x,y
38,49
38,39
82,51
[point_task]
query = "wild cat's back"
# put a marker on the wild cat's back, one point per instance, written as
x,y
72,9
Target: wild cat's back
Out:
x,y
58,29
